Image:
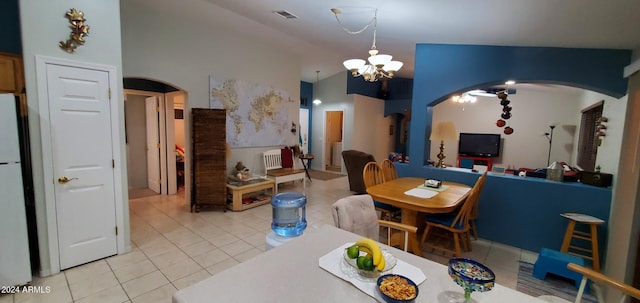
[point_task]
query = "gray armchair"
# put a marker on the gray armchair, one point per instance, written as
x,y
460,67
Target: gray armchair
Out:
x,y
354,162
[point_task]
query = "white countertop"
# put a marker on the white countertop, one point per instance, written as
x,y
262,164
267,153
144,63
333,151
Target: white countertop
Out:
x,y
290,273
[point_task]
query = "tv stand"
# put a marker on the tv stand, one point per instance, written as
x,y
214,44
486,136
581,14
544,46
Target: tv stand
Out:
x,y
470,161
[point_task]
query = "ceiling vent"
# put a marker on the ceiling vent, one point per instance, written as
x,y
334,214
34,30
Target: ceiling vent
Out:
x,y
285,14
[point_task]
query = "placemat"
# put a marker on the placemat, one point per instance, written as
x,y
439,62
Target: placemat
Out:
x,y
421,193
439,189
332,262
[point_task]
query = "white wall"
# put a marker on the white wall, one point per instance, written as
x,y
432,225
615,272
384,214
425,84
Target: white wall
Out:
x,y
332,92
136,141
371,127
43,25
533,111
164,42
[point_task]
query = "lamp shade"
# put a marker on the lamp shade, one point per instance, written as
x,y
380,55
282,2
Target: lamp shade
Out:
x,y
353,64
444,131
392,66
380,59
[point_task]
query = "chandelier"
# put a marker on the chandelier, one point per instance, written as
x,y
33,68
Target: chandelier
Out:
x,y
379,65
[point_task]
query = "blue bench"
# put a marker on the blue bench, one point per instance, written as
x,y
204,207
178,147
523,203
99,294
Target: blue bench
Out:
x,y
555,262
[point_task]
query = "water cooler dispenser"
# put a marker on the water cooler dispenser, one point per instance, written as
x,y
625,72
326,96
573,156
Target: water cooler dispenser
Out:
x,y
289,218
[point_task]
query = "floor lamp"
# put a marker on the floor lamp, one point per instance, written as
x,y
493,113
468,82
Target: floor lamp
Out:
x,y
549,136
443,131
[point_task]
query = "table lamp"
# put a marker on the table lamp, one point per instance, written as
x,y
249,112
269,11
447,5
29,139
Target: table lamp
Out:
x,y
443,131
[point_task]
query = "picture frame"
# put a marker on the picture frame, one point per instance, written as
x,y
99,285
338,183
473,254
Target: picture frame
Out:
x,y
498,170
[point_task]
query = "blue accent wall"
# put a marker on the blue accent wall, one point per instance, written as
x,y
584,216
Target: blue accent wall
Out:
x,y
442,70
10,25
306,91
524,211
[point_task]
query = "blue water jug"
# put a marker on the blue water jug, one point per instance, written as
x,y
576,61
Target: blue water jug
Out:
x,y
289,214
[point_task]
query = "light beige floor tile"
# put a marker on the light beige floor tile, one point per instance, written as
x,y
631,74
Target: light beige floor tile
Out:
x,y
134,257
211,258
133,271
247,254
169,258
82,272
528,256
159,295
256,239
183,237
221,266
190,279
198,248
112,295
6,298
236,248
220,240
144,284
92,284
156,247
57,295
181,270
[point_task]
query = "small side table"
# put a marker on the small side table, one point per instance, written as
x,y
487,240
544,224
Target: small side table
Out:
x,y
306,165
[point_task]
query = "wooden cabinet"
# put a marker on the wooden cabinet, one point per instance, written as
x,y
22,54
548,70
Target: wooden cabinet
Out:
x,y
11,74
209,161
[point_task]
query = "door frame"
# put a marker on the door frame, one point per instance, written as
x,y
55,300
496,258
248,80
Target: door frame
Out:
x,y
162,127
47,158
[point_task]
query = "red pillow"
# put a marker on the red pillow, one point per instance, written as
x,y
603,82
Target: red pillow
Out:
x,y
287,158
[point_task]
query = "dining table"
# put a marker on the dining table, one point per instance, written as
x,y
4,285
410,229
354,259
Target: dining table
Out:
x,y
415,200
307,269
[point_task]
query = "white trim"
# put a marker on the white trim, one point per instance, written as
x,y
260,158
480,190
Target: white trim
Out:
x,y
47,159
631,68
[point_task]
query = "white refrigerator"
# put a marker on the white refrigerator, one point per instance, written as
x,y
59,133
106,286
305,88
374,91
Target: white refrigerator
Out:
x,y
15,268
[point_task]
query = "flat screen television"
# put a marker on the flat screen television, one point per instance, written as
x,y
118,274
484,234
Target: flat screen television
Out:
x,y
479,145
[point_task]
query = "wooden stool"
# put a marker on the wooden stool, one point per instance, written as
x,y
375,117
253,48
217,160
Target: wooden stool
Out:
x,y
591,235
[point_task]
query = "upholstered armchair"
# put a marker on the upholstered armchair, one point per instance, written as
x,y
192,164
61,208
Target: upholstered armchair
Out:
x,y
354,162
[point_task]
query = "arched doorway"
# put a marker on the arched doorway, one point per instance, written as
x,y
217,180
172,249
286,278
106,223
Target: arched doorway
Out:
x,y
155,137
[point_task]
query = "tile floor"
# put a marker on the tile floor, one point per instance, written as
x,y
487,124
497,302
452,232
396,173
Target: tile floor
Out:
x,y
173,248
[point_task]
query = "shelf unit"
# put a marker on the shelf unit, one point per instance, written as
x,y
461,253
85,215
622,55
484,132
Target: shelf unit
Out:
x,y
470,161
237,193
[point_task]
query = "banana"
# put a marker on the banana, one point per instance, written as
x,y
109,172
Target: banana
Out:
x,y
376,253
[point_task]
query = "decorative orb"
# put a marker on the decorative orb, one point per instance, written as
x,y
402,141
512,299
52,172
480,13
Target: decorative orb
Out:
x,y
506,108
508,130
505,102
500,123
506,116
502,95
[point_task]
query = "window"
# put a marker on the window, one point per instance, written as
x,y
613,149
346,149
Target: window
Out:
x,y
588,141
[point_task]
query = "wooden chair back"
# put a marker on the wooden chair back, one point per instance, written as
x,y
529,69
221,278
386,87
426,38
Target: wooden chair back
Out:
x,y
389,170
598,278
372,174
464,215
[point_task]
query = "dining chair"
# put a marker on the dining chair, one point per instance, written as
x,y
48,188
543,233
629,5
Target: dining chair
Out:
x,y
455,223
389,170
474,211
358,215
372,175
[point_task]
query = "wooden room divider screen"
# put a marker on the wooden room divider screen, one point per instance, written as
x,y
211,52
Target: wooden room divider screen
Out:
x,y
208,169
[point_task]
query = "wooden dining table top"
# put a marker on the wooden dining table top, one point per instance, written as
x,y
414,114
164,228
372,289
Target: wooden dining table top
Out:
x,y
393,193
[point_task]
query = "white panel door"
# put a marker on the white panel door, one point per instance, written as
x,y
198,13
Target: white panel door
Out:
x,y
80,123
153,144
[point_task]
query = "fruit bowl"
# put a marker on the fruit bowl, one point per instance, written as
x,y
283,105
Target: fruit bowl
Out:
x,y
397,289
390,262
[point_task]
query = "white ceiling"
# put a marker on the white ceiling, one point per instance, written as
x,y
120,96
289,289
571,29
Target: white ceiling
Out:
x,y
322,44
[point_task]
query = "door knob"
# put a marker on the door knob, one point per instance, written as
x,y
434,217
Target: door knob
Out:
x,y
63,180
